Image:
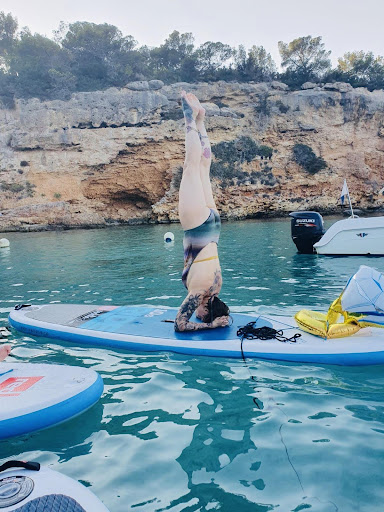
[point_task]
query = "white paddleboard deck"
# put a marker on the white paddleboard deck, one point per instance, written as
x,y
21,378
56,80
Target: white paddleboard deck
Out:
x,y
37,396
24,490
149,329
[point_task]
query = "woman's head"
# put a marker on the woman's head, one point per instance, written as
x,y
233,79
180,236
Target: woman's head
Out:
x,y
214,309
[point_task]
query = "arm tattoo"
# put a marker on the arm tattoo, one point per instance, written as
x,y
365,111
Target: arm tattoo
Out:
x,y
185,312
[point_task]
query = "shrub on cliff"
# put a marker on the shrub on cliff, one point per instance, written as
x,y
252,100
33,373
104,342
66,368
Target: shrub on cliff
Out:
x,y
229,156
15,188
306,158
176,177
265,151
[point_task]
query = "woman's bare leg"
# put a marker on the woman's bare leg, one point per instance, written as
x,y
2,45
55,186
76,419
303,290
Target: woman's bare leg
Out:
x,y
193,210
205,160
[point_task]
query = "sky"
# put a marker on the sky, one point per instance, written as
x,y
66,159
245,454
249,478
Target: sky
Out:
x,y
345,25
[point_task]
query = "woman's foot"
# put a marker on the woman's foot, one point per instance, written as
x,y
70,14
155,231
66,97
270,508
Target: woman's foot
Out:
x,y
195,101
5,350
201,115
191,106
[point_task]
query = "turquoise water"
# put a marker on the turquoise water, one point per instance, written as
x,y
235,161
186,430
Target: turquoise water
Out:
x,y
183,433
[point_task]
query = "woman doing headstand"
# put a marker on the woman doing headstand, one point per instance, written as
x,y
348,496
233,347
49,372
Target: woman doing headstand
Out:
x,y
201,223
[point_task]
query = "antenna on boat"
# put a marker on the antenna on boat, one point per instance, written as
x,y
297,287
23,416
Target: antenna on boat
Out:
x,y
345,192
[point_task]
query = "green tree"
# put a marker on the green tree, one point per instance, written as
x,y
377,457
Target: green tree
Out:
x,y
362,69
101,56
304,59
7,89
256,65
8,37
211,56
175,60
8,40
36,63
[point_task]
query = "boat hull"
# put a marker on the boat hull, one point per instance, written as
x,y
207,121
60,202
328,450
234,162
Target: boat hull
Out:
x,y
353,236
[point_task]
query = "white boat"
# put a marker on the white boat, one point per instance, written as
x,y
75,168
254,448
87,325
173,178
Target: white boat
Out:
x,y
353,236
348,237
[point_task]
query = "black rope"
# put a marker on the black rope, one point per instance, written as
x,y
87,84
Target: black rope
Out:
x,y
250,332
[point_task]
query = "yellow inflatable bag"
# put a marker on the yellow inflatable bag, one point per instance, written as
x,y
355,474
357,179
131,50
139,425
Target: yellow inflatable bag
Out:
x,y
317,324
361,303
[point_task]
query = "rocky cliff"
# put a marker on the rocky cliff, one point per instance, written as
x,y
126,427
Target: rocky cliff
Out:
x,y
116,156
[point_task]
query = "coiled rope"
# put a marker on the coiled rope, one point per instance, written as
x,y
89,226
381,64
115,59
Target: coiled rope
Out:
x,y
250,332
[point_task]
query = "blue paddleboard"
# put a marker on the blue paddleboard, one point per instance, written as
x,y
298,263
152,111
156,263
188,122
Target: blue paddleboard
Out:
x,y
152,329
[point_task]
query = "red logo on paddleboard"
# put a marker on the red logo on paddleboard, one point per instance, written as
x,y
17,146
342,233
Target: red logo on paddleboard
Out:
x,y
14,386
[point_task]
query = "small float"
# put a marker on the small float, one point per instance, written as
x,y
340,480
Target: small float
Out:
x,y
37,396
28,487
347,237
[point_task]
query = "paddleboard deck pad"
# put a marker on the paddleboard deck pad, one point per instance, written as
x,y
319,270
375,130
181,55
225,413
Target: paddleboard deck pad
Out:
x,y
140,328
37,396
26,490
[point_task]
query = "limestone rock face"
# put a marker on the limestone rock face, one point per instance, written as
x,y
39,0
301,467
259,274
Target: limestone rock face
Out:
x,y
155,84
116,156
338,86
140,85
279,86
309,85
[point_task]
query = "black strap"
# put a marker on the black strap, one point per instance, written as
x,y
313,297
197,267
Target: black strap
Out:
x,y
250,332
21,306
33,466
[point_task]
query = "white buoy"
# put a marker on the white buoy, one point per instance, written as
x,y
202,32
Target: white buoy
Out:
x,y
4,242
169,237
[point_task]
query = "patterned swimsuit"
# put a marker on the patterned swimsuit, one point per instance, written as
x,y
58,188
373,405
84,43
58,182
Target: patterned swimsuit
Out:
x,y
197,238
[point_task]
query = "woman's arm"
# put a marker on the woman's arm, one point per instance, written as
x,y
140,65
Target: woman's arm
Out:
x,y
187,308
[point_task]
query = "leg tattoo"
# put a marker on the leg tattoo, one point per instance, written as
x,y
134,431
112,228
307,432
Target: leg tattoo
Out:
x,y
204,140
190,128
188,112
207,153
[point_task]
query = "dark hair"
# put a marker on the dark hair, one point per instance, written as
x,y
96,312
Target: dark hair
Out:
x,y
216,308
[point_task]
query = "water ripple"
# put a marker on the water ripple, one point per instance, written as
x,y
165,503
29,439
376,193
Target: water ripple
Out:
x,y
174,433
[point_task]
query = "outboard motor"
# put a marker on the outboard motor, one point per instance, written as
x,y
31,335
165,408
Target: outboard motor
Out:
x,y
306,229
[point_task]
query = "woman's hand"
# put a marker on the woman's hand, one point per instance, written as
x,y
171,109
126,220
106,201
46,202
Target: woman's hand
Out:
x,y
221,321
